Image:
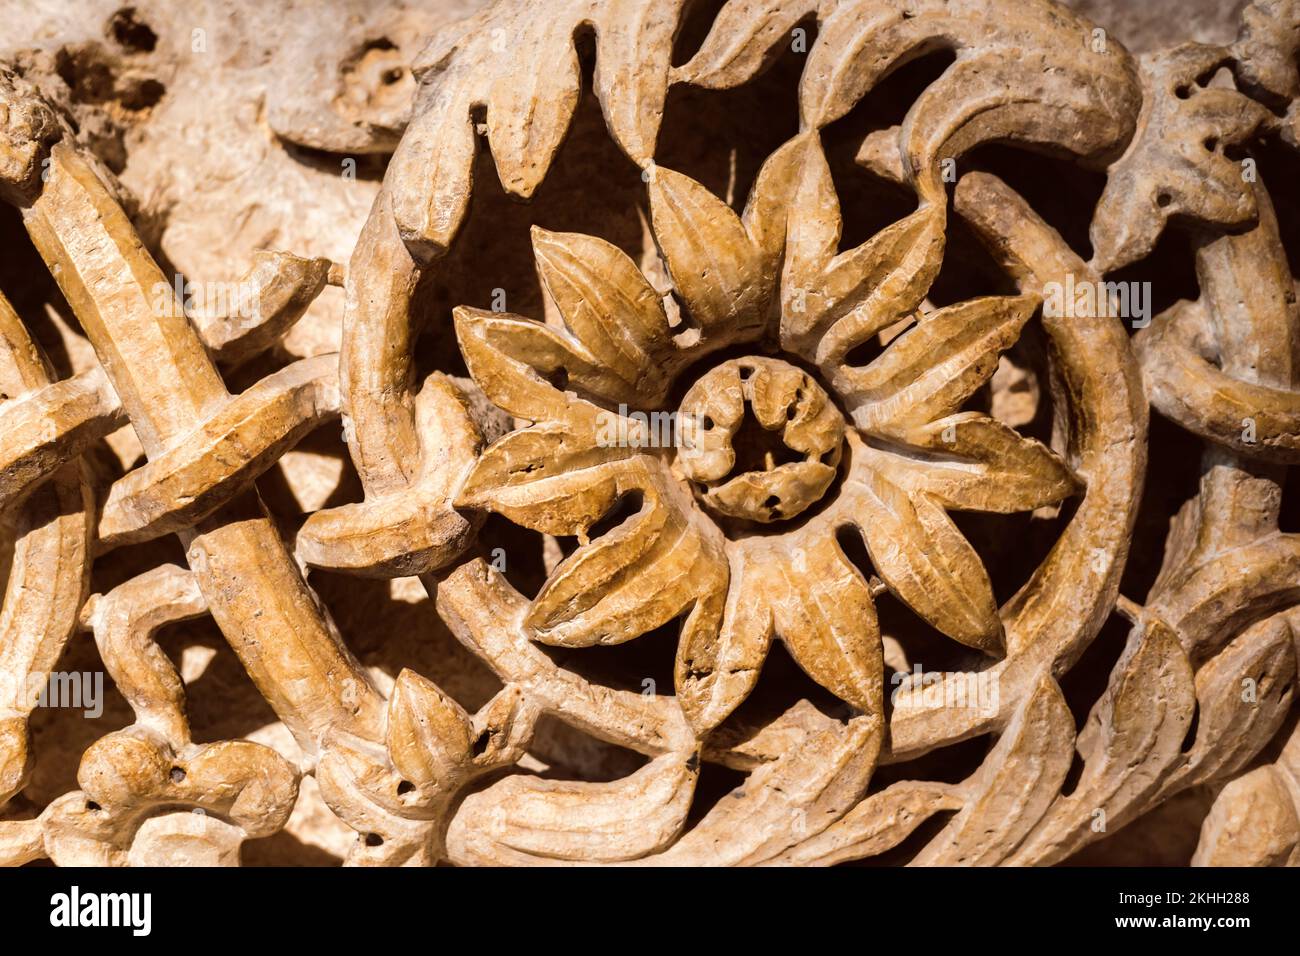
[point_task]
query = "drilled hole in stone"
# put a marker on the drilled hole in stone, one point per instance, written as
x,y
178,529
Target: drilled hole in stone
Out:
x,y
177,775
759,448
374,839
131,32
404,788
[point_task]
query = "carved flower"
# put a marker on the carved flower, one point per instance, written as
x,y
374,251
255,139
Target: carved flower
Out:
x,y
732,522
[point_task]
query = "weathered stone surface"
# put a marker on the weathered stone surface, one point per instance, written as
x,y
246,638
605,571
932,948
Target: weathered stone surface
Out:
x,y
573,394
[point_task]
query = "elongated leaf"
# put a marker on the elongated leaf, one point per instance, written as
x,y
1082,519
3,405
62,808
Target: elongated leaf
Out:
x,y
1014,786
1132,737
633,56
529,821
432,172
717,269
514,359
785,801
977,463
928,371
881,281
1243,695
716,669
831,302
611,309
875,825
530,106
635,578
746,36
825,616
768,206
547,479
924,559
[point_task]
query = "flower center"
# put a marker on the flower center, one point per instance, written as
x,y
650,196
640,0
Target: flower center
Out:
x,y
761,440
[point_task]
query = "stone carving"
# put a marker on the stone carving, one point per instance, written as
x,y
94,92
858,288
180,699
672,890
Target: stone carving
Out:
x,y
752,490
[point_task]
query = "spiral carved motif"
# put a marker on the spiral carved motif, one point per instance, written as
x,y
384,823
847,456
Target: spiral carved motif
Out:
x,y
857,519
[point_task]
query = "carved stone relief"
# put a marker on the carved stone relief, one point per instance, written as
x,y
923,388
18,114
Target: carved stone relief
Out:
x,y
787,432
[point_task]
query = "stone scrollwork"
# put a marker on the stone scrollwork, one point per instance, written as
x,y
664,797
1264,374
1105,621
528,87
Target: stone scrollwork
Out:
x,y
876,528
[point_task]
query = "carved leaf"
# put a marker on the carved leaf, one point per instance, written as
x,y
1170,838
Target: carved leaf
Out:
x,y
530,106
1133,735
428,733
977,463
875,825
633,578
1000,48
743,40
530,94
431,174
782,802
924,559
716,670
1176,163
634,45
1243,695
825,616
1253,822
548,479
611,309
721,275
853,295
928,371
1013,787
530,821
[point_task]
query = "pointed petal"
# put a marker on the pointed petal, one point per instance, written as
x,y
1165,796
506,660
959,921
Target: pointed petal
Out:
x,y
716,670
636,577
979,464
512,359
831,303
825,616
716,268
746,37
928,371
924,559
548,479
610,308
